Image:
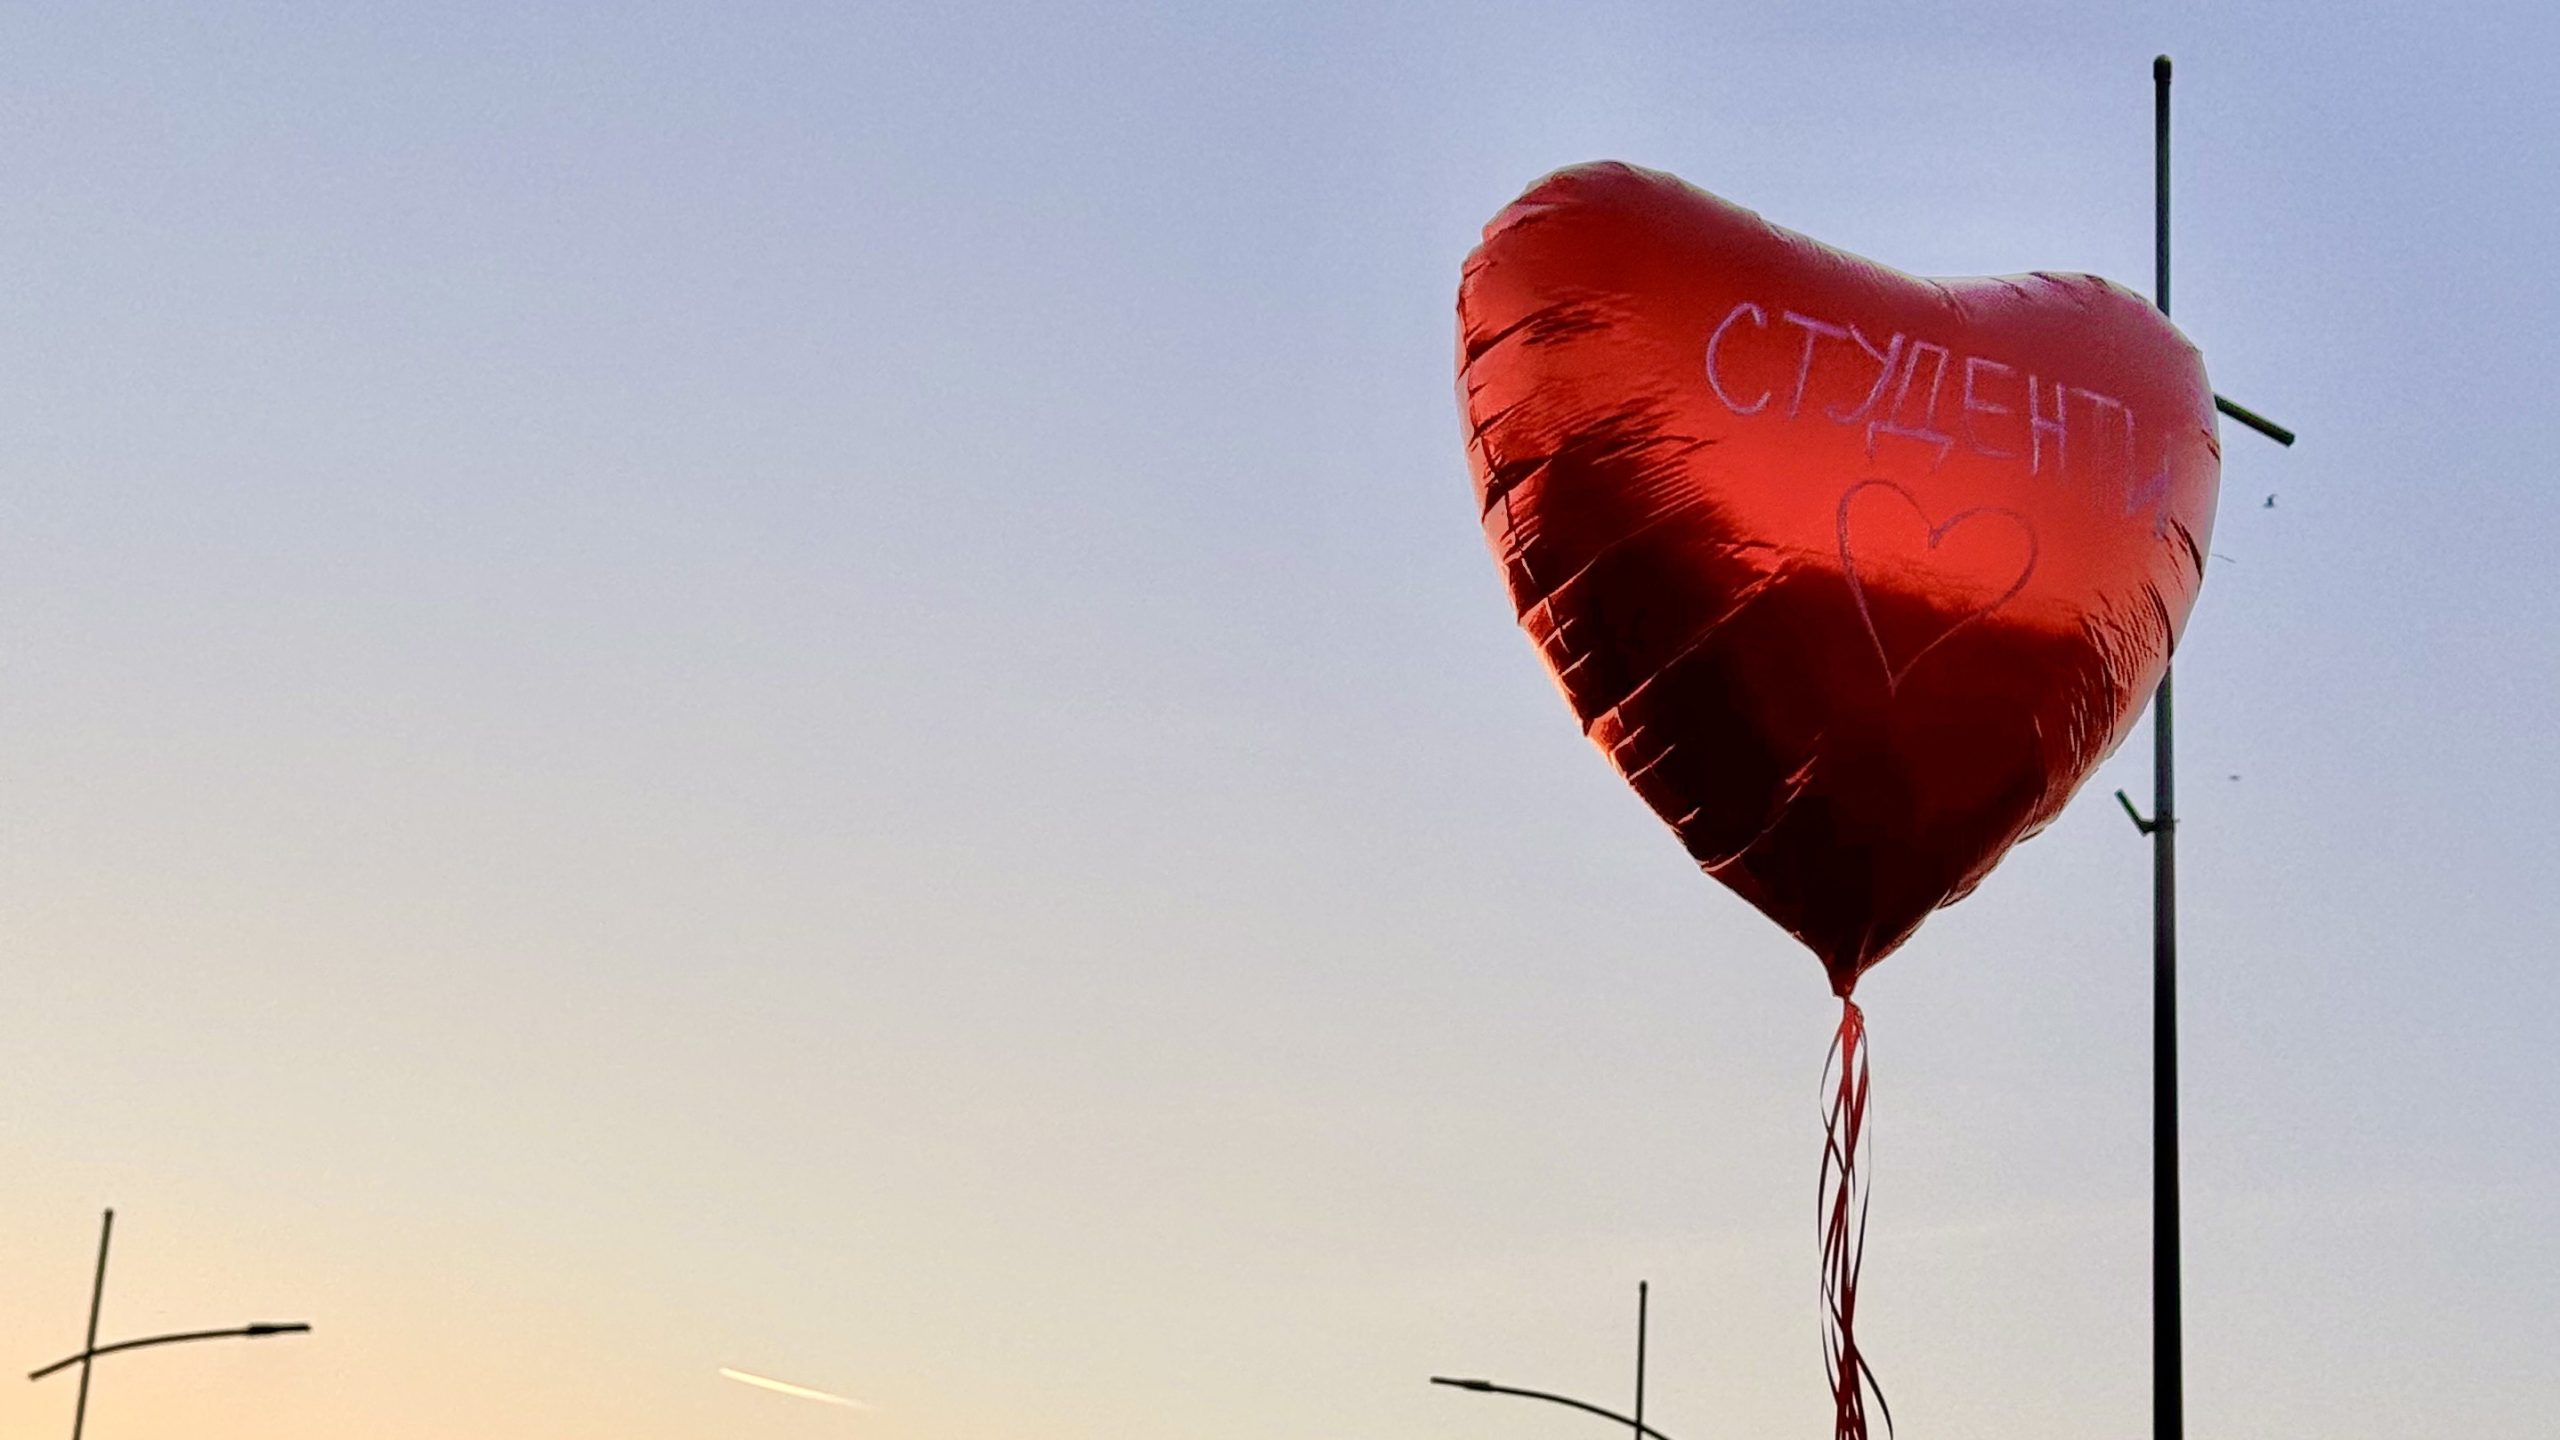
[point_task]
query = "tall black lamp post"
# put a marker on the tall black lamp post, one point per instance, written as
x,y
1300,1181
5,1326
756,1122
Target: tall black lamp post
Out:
x,y
92,1350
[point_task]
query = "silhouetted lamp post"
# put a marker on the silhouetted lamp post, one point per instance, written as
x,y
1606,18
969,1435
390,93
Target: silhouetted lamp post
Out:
x,y
1487,1387
92,1350
1635,1423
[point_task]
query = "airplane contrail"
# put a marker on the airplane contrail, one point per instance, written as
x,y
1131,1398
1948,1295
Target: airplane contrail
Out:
x,y
802,1391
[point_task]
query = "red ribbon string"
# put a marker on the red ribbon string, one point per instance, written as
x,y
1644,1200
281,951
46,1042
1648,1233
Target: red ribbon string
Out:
x,y
1843,1216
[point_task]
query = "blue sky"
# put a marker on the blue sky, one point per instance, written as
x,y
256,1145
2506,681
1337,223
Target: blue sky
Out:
x,y
813,689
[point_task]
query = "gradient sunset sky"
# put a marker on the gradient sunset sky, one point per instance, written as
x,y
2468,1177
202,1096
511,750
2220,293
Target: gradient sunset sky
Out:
x,y
812,688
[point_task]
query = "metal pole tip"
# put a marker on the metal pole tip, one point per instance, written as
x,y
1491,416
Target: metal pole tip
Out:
x,y
2159,67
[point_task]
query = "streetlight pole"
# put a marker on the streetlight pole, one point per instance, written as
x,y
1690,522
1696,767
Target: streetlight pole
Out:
x,y
91,1350
1487,1387
236,1332
2168,1304
1643,1292
2168,1300
97,1296
1635,1423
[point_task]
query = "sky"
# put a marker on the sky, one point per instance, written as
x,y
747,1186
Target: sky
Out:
x,y
813,689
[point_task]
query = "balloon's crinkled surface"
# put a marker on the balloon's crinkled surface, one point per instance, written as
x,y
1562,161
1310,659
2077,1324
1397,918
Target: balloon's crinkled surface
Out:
x,y
1854,576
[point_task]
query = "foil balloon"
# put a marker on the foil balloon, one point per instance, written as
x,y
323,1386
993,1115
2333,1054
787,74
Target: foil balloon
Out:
x,y
1854,576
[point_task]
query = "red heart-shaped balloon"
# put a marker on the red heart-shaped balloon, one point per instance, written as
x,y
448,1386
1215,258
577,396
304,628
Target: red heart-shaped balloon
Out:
x,y
1855,576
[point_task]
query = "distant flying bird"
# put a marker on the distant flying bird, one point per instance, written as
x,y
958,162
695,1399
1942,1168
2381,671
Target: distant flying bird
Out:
x,y
802,1392
2270,505
2225,559
2235,777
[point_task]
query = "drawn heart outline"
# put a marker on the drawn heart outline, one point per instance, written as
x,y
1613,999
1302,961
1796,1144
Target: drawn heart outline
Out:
x,y
1893,675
